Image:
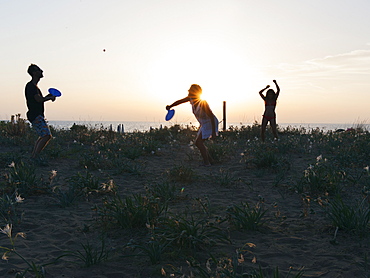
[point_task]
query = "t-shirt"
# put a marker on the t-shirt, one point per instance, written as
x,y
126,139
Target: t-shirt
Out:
x,y
34,108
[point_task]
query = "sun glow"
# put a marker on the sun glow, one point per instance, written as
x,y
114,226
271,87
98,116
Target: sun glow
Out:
x,y
221,73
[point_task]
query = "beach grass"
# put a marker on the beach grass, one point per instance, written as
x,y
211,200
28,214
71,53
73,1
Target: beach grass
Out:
x,y
162,215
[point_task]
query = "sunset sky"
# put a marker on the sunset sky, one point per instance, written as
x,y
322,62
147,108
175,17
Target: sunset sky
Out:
x,y
126,60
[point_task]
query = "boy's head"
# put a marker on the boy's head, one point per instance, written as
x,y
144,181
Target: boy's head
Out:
x,y
34,69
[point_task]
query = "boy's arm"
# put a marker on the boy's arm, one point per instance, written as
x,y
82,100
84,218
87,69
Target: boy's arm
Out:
x,y
33,91
39,98
177,102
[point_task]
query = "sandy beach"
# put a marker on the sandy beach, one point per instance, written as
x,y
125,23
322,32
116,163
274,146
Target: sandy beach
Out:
x,y
79,201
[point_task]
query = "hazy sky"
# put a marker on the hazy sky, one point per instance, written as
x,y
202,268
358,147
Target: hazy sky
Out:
x,y
318,51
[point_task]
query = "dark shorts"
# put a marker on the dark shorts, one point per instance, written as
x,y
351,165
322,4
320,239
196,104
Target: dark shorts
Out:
x,y
41,127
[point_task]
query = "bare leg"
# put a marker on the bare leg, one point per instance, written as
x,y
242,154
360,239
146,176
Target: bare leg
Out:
x,y
199,142
263,128
40,145
273,127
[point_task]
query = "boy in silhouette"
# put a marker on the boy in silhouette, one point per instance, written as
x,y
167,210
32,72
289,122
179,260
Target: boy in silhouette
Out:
x,y
35,104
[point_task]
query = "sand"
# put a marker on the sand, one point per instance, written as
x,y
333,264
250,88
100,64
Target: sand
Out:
x,y
296,234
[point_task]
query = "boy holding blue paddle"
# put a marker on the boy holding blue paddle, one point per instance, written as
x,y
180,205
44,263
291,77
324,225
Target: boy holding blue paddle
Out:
x,y
35,104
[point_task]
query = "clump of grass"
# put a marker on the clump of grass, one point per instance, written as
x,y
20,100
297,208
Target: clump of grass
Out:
x,y
17,126
90,254
8,208
365,264
181,173
321,178
23,179
190,233
244,132
245,217
55,150
350,218
68,197
87,183
152,248
149,145
165,191
95,161
218,151
132,152
131,212
276,273
225,178
262,155
79,128
204,204
173,134
133,167
266,159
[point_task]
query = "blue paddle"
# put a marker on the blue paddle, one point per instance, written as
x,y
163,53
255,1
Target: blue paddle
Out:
x,y
170,114
55,92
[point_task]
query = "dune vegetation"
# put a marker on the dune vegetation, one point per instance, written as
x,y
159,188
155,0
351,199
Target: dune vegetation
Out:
x,y
103,204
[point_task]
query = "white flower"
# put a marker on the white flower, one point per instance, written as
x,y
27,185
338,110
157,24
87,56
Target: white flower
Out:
x,y
319,158
208,266
7,230
12,165
53,174
241,259
22,235
5,257
18,199
306,173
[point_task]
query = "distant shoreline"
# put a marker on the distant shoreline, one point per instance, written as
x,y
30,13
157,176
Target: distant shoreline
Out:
x,y
141,126
130,126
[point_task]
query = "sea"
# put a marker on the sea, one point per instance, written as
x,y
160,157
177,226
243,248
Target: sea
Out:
x,y
132,126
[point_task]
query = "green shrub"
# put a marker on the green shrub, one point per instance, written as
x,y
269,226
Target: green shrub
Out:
x,y
131,212
350,218
190,233
245,217
321,178
181,173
